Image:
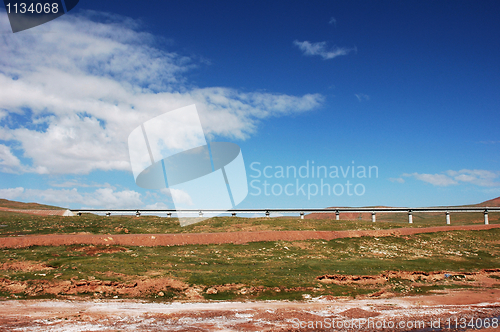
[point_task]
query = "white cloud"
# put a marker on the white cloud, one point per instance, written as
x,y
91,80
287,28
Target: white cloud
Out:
x,y
361,97
117,199
398,180
100,198
435,179
11,193
158,206
332,21
58,196
476,176
87,85
481,178
74,183
320,48
181,197
9,163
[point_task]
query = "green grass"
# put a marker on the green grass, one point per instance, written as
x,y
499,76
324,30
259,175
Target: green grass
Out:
x,y
278,264
13,224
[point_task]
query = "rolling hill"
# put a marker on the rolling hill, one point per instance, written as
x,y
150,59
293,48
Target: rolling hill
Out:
x,y
495,202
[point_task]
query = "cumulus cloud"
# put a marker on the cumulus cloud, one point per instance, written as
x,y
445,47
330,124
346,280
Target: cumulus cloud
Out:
x,y
320,48
9,163
477,177
100,198
11,193
158,206
83,87
182,198
116,199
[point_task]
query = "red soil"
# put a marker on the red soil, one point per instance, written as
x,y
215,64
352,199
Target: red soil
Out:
x,y
152,240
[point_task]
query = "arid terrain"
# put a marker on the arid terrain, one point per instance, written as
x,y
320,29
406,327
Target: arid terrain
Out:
x,y
283,275
451,311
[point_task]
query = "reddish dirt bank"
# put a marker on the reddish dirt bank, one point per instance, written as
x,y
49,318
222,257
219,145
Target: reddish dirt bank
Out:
x,y
152,240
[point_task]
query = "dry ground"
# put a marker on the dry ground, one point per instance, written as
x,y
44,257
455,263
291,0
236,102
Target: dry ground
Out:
x,y
455,308
216,238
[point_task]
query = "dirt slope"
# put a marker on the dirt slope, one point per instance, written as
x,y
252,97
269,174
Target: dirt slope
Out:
x,y
26,206
491,202
152,240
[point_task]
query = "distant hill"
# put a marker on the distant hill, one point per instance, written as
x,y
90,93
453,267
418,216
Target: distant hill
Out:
x,y
492,202
5,203
367,216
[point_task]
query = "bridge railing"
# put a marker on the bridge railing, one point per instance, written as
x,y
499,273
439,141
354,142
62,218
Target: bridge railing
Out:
x,y
267,212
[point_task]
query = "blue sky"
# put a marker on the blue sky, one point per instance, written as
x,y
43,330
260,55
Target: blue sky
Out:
x,y
411,87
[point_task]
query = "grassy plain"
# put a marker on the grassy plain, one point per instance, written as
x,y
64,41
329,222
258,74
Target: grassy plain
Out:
x,y
260,270
14,224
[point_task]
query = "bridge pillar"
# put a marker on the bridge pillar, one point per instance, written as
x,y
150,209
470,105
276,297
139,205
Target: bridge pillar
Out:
x,y
268,215
137,214
448,220
169,215
233,214
79,214
200,214
108,214
337,215
410,217
373,217
302,215
486,221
